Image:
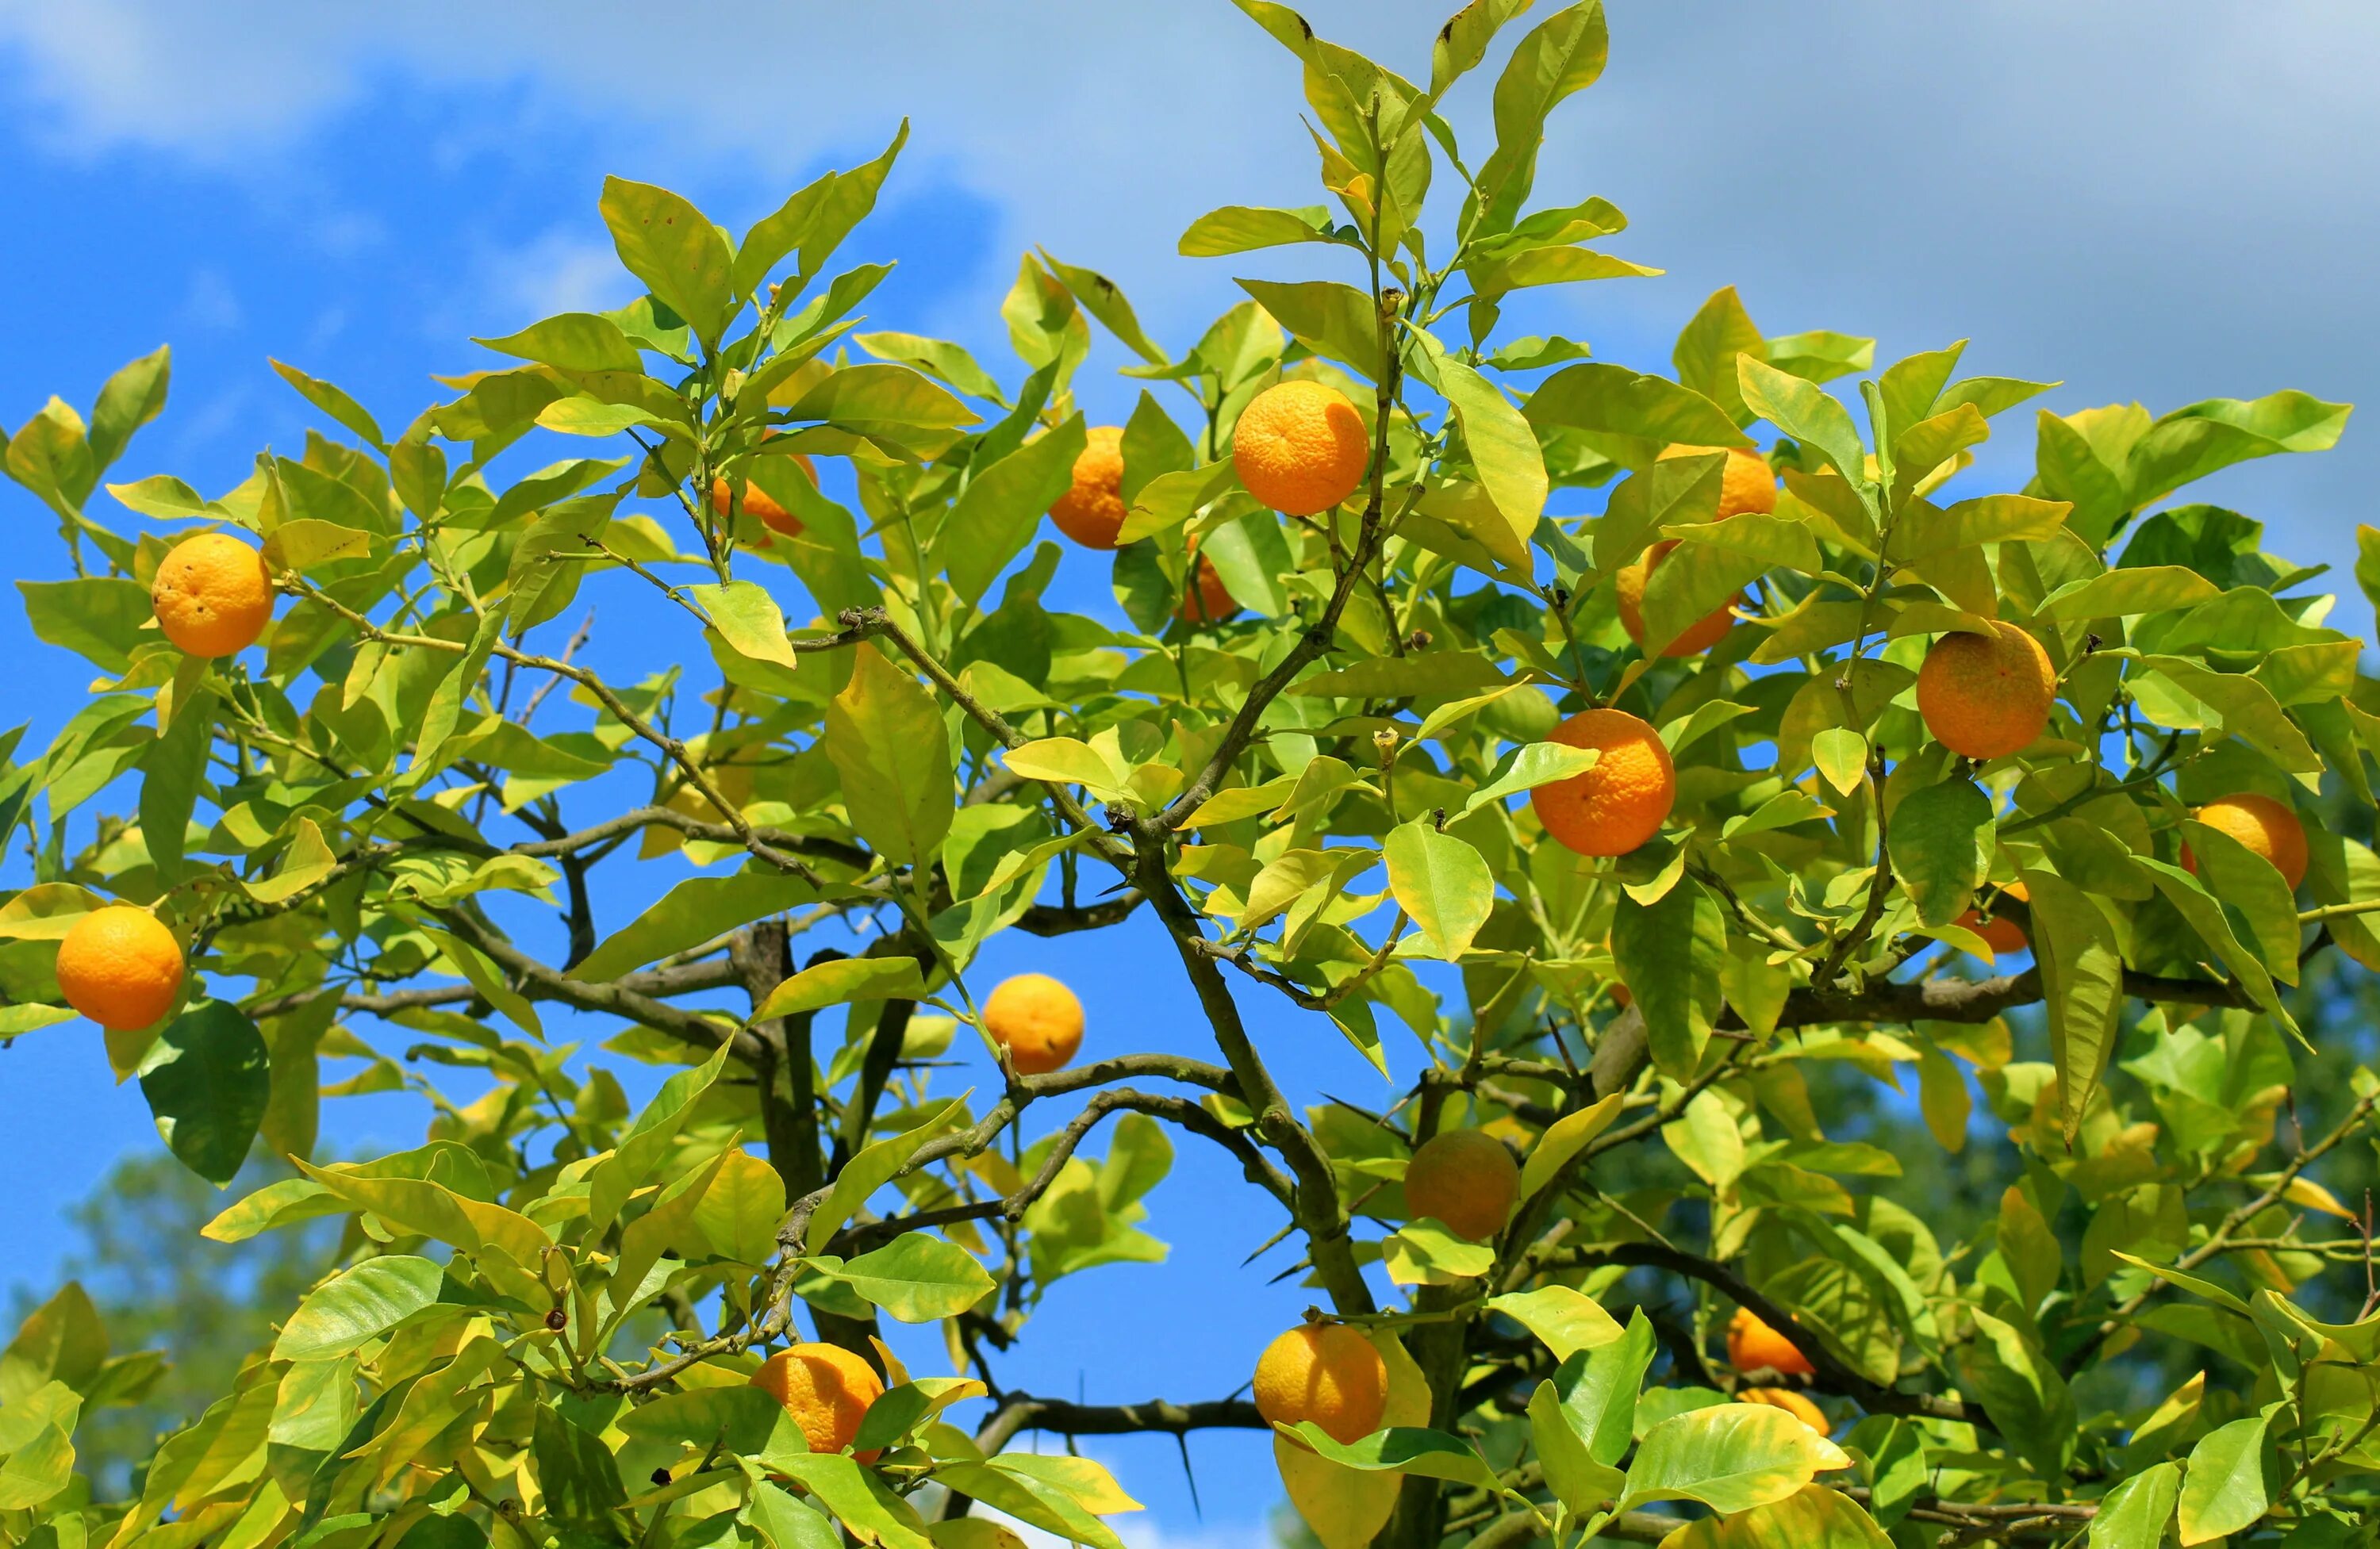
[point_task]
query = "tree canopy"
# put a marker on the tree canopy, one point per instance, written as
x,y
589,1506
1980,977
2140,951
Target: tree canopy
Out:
x,y
1647,773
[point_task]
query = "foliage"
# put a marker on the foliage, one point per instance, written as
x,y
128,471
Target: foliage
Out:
x,y
350,832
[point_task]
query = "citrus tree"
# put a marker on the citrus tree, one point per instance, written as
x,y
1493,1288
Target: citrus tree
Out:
x,y
1637,837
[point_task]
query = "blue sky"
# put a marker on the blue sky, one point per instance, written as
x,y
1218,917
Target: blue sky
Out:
x,y
2161,202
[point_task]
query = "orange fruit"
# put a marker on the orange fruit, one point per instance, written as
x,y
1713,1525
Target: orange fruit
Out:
x,y
1986,697
1326,1372
2263,825
760,504
1300,447
1037,1019
1747,483
2000,935
1621,801
827,1390
120,967
1630,585
212,596
1091,510
1467,1179
1753,1345
1209,601
1795,1404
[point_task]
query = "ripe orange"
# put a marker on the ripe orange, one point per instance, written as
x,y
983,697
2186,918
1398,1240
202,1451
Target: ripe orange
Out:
x,y
1466,1179
1792,1403
1300,447
760,504
2263,825
1209,601
212,596
1630,585
120,967
1091,510
827,1390
1747,483
1037,1019
1753,1345
1621,801
1326,1372
1986,699
2001,935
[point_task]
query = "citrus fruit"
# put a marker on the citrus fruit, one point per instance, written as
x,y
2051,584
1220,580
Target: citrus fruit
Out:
x,y
2001,934
1986,697
826,1388
2262,824
1037,1019
1466,1179
1629,587
761,505
1795,1404
1325,1373
1209,601
1745,484
1091,510
212,594
1753,1345
1300,447
120,967
1621,801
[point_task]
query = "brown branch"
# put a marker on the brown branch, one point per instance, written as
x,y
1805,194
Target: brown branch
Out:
x,y
1024,1413
615,997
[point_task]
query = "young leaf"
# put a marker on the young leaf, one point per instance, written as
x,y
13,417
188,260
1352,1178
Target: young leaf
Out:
x,y
884,734
1441,882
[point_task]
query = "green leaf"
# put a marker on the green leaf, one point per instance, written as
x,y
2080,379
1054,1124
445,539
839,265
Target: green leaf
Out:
x,y
675,250
2082,972
783,1522
1577,1479
1426,1253
2229,1485
1503,448
1567,1321
1239,229
873,1166
1730,1456
694,911
333,402
996,513
207,1079
1669,953
131,398
1526,765
1409,1449
1564,1139
1651,412
1103,300
2192,442
2255,887
575,1472
2018,1386
1334,321
1986,519
936,358
885,737
1805,412
1562,55
97,617
842,981
573,341
648,1142
2125,593
62,1340
739,1214
2135,1514
1442,882
307,542
358,1306
173,771
915,1278
748,619
1704,354
1598,1386
1940,845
